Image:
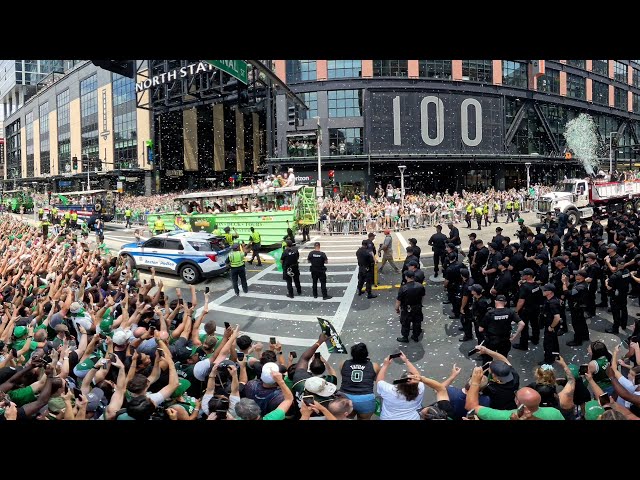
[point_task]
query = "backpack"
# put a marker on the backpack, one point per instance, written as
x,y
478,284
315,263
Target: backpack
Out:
x,y
263,402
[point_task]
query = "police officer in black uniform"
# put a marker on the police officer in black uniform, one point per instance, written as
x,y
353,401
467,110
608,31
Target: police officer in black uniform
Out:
x,y
466,299
370,245
593,274
438,242
409,306
496,328
318,261
481,305
608,268
551,321
561,269
453,284
528,308
503,284
596,227
491,270
478,263
472,246
417,251
618,285
419,274
576,295
497,239
291,268
411,257
366,264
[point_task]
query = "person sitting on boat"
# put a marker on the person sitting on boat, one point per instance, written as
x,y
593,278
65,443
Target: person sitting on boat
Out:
x,y
291,179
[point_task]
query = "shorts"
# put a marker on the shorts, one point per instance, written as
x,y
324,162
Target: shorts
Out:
x,y
363,404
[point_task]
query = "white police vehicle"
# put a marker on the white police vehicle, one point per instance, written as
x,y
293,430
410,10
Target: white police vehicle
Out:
x,y
191,255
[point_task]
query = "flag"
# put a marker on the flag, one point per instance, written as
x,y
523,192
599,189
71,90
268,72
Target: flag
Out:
x,y
277,257
63,199
334,344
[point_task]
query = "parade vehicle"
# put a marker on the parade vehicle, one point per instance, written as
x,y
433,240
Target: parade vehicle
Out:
x,y
580,198
88,204
190,255
270,211
14,199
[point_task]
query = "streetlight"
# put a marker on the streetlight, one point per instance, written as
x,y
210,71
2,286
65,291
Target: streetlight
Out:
x,y
319,192
402,168
528,165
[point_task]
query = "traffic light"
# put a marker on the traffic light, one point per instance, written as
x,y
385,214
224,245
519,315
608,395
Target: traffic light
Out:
x,y
74,162
332,174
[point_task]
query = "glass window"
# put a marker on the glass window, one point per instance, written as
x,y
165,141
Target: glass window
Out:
x,y
620,71
14,152
125,131
600,66
390,68
345,141
344,68
311,100
577,63
64,133
620,98
435,69
477,70
28,126
301,70
154,243
173,245
89,119
305,145
514,74
635,103
550,81
636,77
45,155
600,93
576,86
345,103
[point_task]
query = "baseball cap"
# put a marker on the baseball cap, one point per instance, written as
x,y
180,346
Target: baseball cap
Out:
x,y
493,245
612,246
20,332
521,220
473,234
582,273
479,241
183,386
556,208
592,255
94,398
319,386
409,274
501,370
498,229
464,272
527,271
105,326
413,240
75,307
413,263
559,259
549,287
371,234
501,298
56,405
541,256
453,256
120,337
592,410
267,370
387,231
476,287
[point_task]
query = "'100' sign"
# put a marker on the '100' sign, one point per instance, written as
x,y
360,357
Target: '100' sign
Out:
x,y
470,108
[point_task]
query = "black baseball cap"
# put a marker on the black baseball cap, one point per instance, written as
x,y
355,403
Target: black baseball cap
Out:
x,y
549,287
476,287
498,229
527,271
409,274
501,298
582,273
541,256
464,272
493,245
473,234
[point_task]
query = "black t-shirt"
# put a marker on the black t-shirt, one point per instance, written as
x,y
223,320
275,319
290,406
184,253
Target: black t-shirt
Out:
x,y
551,309
498,239
532,296
481,258
411,294
454,236
317,259
438,241
497,323
553,242
503,395
365,257
542,274
503,283
290,257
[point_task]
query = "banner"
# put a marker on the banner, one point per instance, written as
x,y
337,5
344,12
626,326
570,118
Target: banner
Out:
x,y
334,344
63,199
277,257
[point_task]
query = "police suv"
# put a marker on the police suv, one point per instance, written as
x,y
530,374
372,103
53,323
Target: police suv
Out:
x,y
191,255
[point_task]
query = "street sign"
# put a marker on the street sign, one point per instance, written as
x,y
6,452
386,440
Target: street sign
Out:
x,y
235,68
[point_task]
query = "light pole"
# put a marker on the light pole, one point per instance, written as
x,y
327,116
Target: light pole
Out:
x,y
528,166
402,168
319,192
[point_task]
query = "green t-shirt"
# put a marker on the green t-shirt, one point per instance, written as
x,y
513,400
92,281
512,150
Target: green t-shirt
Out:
x,y
22,396
543,413
20,344
277,414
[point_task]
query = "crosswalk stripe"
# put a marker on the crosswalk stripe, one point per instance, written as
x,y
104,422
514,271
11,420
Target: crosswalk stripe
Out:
x,y
267,315
303,284
282,298
296,342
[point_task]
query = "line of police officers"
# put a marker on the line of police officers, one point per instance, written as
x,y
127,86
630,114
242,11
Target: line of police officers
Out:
x,y
539,277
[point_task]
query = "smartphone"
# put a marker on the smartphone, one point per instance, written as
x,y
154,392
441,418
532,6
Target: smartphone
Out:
x,y
272,340
583,369
624,344
394,355
401,380
72,344
317,355
140,298
113,358
471,415
240,356
152,329
520,411
47,358
103,336
145,281
308,399
604,400
14,352
105,366
227,325
486,365
206,289
556,354
293,354
474,350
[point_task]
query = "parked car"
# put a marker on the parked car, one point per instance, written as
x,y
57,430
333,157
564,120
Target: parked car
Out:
x,y
192,256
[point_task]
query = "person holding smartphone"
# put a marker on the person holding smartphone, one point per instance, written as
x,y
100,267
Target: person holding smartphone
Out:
x,y
400,401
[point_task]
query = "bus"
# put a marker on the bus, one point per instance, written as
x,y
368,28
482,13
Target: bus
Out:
x,y
14,199
88,204
271,212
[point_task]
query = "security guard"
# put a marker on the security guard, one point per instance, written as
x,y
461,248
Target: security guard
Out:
x,y
411,258
54,215
593,274
528,308
479,308
409,306
496,327
576,294
496,211
318,260
229,237
74,219
485,214
44,224
291,269
366,264
370,245
467,216
236,261
437,242
40,213
417,251
255,246
127,217
158,226
618,285
465,305
509,208
453,284
217,232
551,323
516,208
479,212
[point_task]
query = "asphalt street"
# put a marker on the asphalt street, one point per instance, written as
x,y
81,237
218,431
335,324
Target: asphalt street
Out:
x,y
266,311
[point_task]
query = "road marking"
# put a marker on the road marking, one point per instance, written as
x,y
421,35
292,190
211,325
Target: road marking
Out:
x,y
282,298
279,284
266,315
382,287
328,273
403,242
297,342
336,251
345,305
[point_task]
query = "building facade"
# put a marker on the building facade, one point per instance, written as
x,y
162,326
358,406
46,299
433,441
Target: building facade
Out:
x,y
454,123
79,126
